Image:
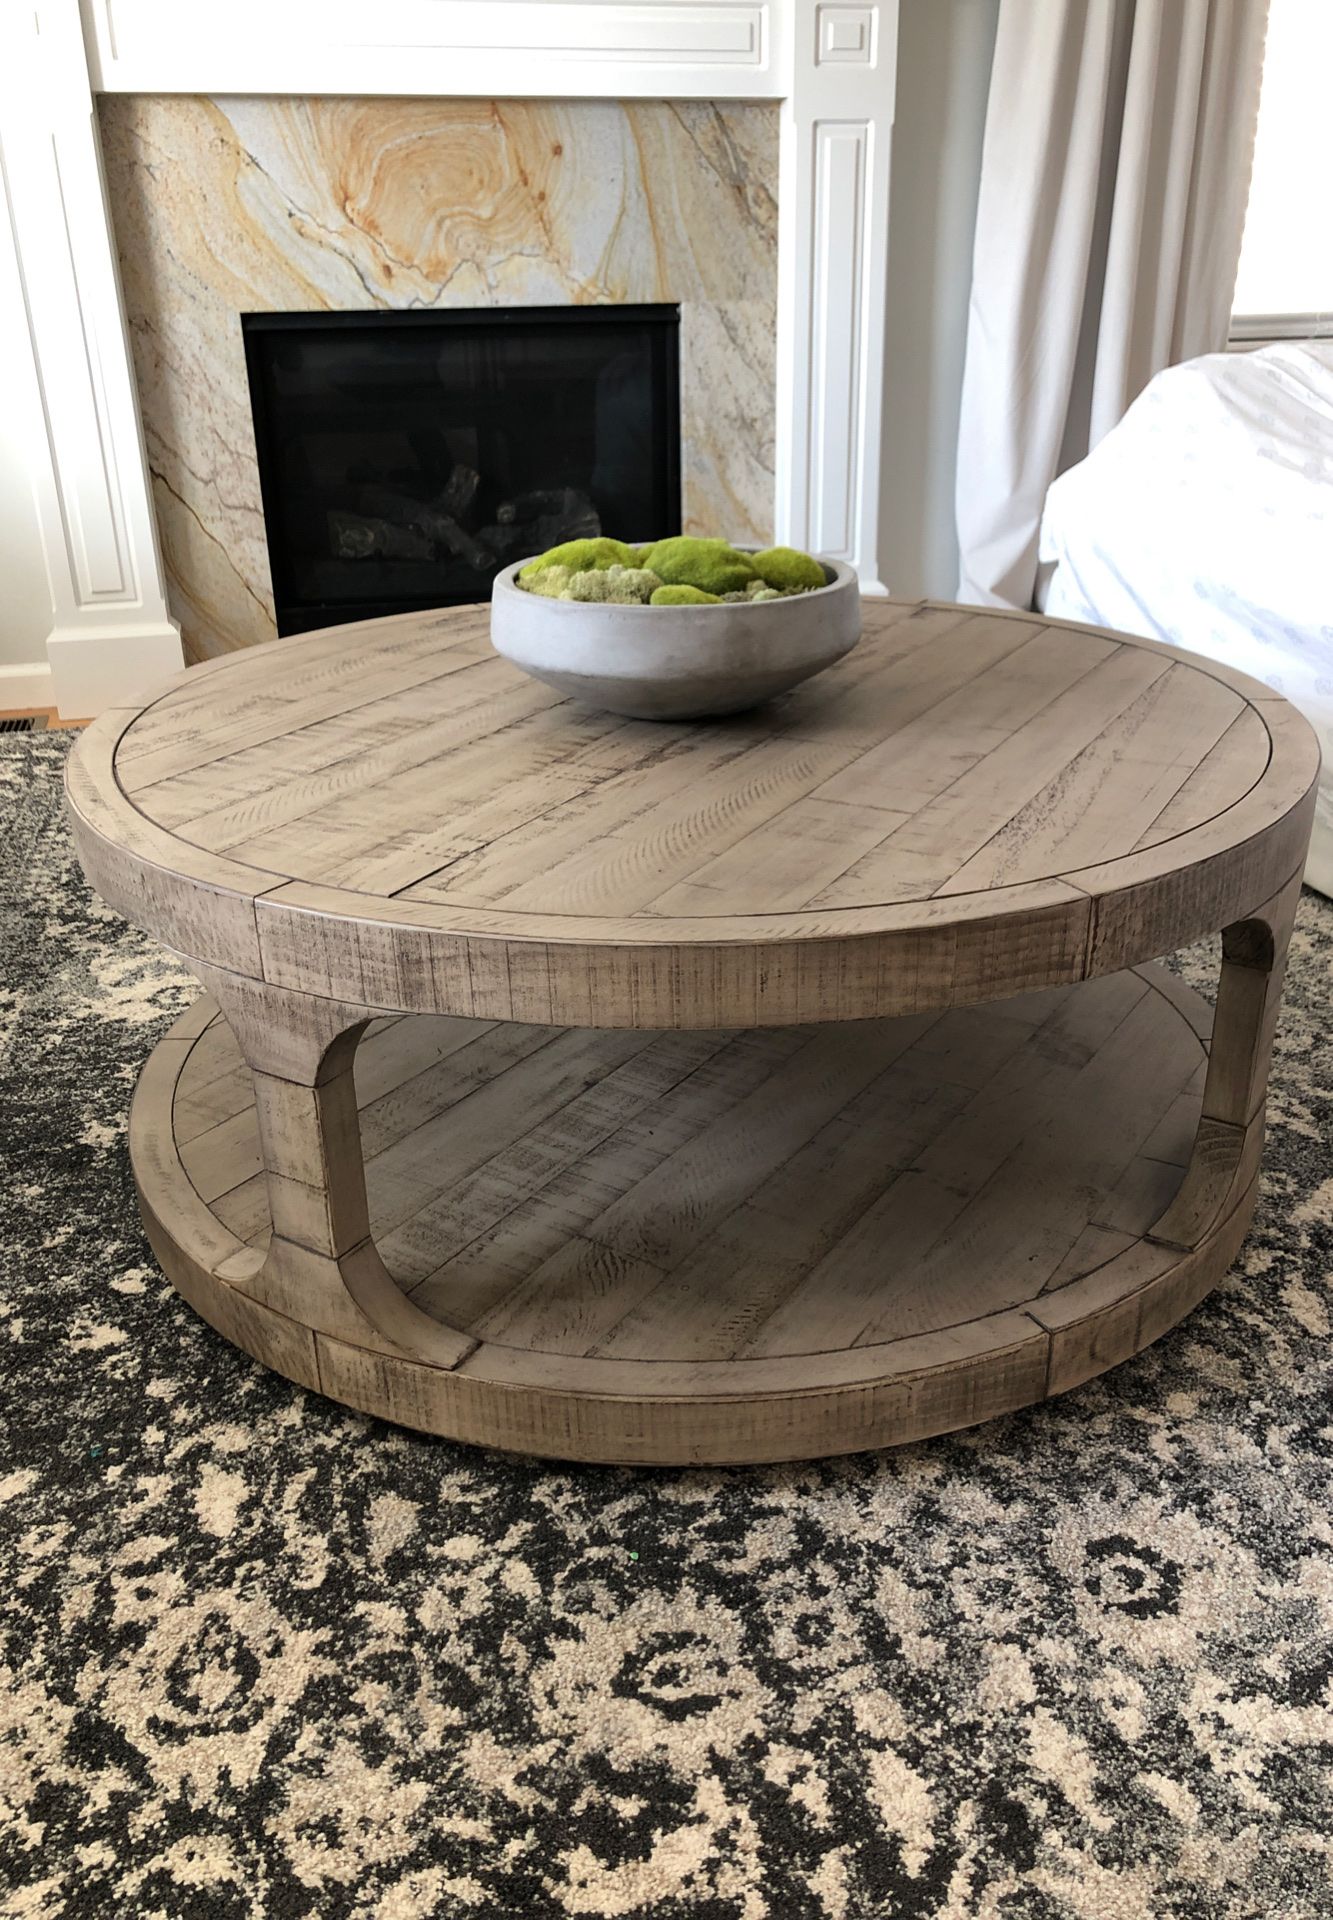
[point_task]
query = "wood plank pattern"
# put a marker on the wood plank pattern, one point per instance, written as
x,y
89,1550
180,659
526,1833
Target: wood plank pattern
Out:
x,y
676,1197
365,814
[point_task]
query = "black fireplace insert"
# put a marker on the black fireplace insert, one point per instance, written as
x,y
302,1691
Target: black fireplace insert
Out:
x,y
404,458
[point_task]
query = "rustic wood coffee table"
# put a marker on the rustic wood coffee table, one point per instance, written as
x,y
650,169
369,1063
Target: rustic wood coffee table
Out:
x,y
769,1087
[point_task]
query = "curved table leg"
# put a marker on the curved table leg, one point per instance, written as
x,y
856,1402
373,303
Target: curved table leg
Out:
x,y
322,1268
1122,1308
1231,1126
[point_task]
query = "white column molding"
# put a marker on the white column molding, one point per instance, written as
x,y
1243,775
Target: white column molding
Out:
x,y
111,631
831,65
833,225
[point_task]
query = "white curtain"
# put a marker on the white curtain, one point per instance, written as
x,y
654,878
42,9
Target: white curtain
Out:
x,y
1115,171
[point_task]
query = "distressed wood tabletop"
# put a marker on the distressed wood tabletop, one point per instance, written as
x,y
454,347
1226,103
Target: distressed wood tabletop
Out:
x,y
971,804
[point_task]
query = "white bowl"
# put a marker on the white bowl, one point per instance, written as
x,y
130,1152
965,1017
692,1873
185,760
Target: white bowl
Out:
x,y
676,663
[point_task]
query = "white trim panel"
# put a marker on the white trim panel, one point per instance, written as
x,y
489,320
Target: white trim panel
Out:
x,y
90,476
94,668
506,48
841,153
833,225
26,686
45,194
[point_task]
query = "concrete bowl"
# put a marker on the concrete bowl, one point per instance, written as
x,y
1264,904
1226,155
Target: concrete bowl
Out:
x,y
676,663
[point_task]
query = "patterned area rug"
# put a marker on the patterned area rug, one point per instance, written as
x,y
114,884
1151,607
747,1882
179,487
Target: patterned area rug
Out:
x,y
259,1656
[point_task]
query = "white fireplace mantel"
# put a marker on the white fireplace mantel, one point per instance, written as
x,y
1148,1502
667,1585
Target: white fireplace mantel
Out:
x,y
831,65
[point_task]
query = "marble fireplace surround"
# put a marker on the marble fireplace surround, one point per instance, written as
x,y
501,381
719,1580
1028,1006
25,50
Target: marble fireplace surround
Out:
x,y
224,205
829,67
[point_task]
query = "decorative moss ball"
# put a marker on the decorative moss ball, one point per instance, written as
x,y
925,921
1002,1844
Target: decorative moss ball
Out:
x,y
550,582
684,596
714,566
636,583
612,586
581,556
681,571
788,570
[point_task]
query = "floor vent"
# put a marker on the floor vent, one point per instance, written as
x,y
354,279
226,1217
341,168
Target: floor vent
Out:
x,y
26,725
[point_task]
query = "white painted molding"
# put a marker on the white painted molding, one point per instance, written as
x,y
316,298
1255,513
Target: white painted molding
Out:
x,y
89,473
26,686
831,64
92,668
621,49
833,226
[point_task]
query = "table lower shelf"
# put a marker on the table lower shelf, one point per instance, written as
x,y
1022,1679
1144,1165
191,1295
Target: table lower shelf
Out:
x,y
708,1247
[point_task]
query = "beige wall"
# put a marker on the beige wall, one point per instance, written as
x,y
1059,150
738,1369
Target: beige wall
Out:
x,y
944,61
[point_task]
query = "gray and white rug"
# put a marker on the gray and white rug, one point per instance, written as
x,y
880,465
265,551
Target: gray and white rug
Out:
x,y
259,1656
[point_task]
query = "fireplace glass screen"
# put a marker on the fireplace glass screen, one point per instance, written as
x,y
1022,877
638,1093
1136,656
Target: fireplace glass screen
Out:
x,y
404,458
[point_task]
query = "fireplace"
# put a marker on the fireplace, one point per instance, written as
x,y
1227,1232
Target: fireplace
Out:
x,y
405,457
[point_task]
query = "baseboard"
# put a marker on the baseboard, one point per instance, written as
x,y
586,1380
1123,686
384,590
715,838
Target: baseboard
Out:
x,y
26,686
92,669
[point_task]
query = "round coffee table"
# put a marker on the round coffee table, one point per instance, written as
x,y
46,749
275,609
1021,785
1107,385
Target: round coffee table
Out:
x,y
739,1091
